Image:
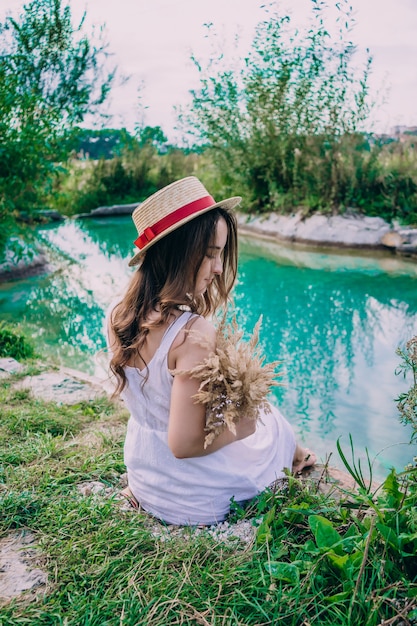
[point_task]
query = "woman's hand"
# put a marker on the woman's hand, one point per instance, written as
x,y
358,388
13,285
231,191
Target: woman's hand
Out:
x,y
187,418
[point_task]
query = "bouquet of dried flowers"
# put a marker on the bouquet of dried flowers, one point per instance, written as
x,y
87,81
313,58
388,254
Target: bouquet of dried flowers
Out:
x,y
234,381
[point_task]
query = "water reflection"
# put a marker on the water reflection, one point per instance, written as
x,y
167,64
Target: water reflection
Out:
x,y
64,311
336,330
334,321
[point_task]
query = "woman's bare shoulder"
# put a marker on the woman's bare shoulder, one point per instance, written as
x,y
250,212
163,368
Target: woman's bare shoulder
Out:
x,y
193,342
202,325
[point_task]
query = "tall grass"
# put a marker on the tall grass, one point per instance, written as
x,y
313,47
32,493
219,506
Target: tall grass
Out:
x,y
136,173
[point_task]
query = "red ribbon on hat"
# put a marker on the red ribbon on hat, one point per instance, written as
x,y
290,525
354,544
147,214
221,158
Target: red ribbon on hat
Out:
x,y
176,216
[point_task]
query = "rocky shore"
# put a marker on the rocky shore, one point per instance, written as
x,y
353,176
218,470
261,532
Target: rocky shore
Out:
x,y
349,231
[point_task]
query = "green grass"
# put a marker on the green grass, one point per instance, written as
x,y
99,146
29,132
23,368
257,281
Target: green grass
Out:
x,y
314,561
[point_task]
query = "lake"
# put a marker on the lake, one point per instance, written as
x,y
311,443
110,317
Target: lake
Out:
x,y
333,320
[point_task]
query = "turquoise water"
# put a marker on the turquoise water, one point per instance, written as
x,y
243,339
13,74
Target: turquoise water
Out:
x,y
333,320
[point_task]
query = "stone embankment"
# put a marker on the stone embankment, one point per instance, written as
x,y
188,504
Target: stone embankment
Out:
x,y
350,230
346,231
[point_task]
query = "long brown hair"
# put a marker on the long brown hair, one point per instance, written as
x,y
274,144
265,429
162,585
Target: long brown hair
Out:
x,y
166,280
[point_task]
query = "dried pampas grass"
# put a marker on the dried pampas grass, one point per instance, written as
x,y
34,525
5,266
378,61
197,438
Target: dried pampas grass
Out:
x,y
233,379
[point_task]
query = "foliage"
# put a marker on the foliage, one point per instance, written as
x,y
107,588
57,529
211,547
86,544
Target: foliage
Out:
x,y
138,171
13,344
105,143
359,565
354,468
285,127
51,75
407,401
154,136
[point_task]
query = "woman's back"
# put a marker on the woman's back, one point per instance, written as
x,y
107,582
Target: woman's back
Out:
x,y
193,490
187,260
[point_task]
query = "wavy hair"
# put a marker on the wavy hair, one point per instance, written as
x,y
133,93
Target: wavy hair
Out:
x,y
166,280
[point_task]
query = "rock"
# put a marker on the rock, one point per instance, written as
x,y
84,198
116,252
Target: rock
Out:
x,y
24,268
115,209
93,487
51,216
43,216
408,249
408,244
392,239
18,566
108,211
60,388
349,230
9,366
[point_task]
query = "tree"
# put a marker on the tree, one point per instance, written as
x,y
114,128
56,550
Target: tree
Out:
x,y
153,136
104,143
51,76
276,124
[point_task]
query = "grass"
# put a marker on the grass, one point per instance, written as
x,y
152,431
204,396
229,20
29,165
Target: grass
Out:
x,y
314,560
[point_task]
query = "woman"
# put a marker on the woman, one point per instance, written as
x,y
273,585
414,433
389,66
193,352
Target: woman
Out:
x,y
187,267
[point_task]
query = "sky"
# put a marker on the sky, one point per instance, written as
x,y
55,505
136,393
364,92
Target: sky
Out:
x,y
152,41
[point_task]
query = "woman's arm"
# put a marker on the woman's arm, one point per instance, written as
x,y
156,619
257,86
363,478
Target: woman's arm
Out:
x,y
186,432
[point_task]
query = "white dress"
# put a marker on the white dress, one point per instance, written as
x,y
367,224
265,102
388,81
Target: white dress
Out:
x,y
195,490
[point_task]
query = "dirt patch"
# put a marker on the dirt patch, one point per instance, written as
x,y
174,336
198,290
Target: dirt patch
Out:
x,y
19,567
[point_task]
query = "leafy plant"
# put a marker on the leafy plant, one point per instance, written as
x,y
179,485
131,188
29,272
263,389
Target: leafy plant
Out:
x,y
13,344
51,75
315,560
285,123
354,468
407,401
290,103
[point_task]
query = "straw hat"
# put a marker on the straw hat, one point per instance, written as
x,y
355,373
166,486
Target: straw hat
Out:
x,y
171,207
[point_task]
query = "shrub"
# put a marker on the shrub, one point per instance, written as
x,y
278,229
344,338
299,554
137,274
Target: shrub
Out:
x,y
14,344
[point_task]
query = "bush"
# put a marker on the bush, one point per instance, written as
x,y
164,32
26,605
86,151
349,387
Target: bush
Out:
x,y
52,74
13,344
285,126
129,177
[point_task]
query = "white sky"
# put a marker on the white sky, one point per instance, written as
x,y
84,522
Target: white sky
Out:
x,y
152,42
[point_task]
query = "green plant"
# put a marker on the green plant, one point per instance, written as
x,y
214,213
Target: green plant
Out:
x,y
407,401
51,75
285,123
355,469
13,344
315,559
137,171
287,106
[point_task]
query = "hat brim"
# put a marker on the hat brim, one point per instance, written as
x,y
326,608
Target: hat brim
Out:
x,y
230,203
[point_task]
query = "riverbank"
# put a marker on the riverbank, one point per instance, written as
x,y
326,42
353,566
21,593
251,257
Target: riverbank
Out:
x,y
67,386
342,232
349,232
72,548
47,395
